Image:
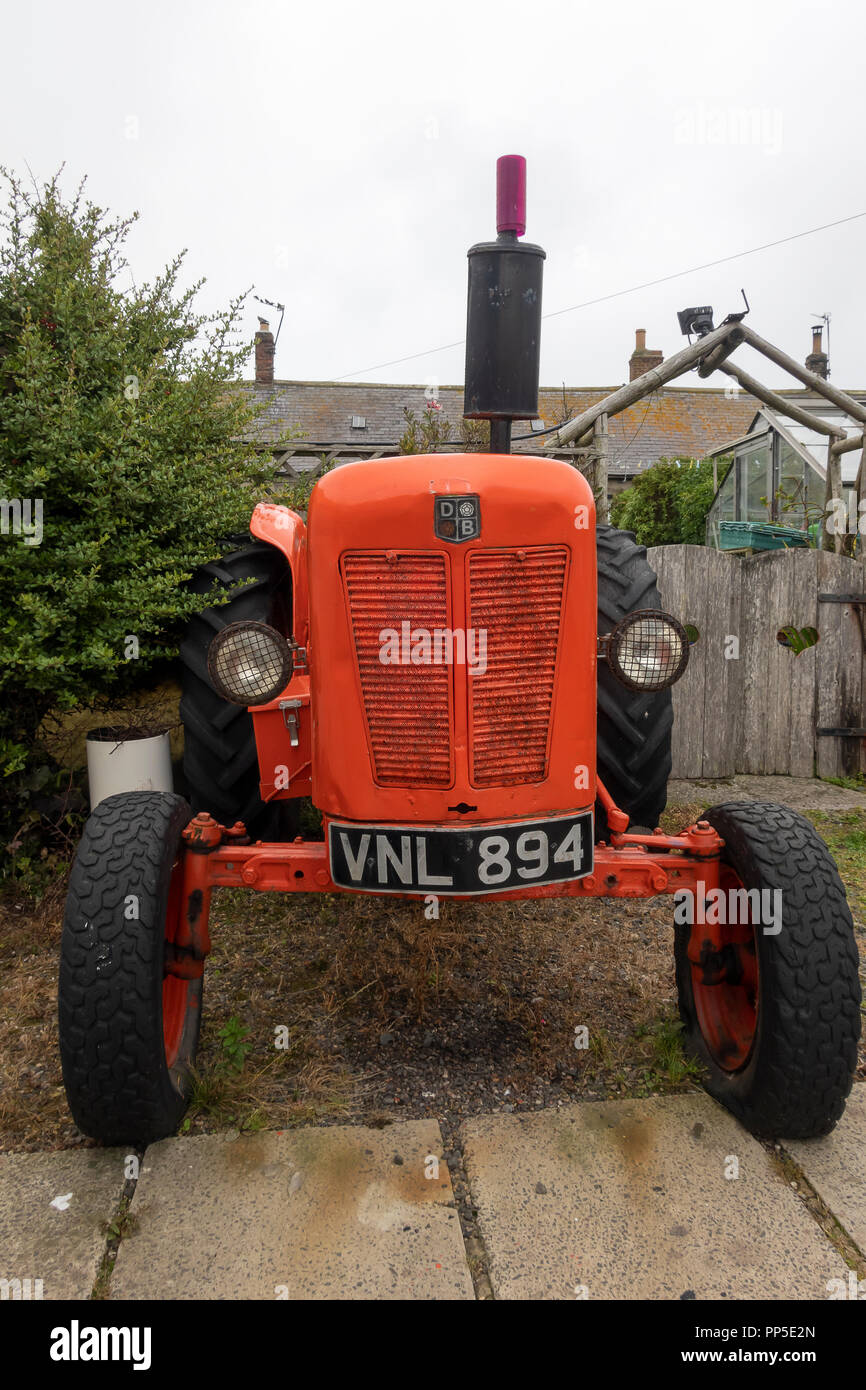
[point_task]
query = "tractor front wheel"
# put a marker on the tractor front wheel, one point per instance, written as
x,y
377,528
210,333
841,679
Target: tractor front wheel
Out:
x,y
128,1026
771,999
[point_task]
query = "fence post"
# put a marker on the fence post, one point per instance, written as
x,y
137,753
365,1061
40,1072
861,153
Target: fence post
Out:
x,y
599,468
832,492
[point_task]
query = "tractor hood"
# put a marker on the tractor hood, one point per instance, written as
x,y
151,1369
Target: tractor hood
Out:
x,y
442,688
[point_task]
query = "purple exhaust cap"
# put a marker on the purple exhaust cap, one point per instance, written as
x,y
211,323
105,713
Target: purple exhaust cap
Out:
x,y
511,194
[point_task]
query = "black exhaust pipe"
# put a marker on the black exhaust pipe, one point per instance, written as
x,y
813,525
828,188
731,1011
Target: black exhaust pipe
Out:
x,y
503,324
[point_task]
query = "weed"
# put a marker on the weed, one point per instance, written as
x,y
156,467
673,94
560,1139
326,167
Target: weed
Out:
x,y
857,783
233,1040
124,1224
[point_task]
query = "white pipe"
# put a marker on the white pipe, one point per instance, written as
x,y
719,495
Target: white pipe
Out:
x,y
128,765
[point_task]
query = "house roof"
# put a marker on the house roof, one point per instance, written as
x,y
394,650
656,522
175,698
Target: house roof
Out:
x,y
675,422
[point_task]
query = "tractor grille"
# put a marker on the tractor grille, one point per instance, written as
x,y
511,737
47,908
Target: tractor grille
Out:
x,y
516,597
408,708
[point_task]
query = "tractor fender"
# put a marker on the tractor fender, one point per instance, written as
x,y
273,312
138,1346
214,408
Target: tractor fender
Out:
x,y
285,530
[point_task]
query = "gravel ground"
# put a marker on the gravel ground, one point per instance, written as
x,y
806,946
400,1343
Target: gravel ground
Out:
x,y
474,1013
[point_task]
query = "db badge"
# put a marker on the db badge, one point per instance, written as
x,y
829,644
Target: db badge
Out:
x,y
457,518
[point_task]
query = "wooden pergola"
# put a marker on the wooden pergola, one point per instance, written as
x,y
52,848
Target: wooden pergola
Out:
x,y
712,352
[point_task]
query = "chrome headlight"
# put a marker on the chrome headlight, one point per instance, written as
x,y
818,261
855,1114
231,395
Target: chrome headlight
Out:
x,y
647,650
249,663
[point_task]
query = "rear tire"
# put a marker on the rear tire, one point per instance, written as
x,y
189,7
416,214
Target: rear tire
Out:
x,y
777,1026
220,763
634,727
128,1031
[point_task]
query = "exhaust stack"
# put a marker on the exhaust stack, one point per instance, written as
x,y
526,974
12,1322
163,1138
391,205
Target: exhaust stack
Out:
x,y
503,325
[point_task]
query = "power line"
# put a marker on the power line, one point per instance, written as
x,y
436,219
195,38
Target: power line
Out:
x,y
618,294
397,360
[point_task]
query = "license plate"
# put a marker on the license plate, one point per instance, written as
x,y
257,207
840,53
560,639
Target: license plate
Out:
x,y
460,860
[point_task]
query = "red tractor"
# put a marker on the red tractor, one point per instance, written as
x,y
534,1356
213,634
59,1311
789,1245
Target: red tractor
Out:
x,y
470,679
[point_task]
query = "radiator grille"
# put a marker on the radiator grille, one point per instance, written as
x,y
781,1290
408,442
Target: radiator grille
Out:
x,y
408,708
518,602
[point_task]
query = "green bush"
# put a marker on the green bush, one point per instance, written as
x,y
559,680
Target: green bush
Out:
x,y
668,504
425,436
121,462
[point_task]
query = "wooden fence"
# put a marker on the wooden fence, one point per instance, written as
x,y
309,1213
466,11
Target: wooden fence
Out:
x,y
747,703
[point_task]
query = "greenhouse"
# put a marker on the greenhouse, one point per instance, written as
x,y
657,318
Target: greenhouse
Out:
x,y
776,474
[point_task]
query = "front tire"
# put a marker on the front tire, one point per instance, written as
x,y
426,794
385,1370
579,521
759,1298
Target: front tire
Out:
x,y
775,1017
128,1029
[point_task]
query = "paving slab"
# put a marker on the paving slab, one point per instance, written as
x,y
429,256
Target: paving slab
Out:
x,y
835,1168
800,793
54,1209
338,1212
629,1200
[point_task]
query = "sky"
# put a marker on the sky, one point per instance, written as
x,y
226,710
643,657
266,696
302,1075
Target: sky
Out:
x,y
340,159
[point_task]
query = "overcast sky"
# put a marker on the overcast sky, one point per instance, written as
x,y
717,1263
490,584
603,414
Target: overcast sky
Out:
x,y
341,159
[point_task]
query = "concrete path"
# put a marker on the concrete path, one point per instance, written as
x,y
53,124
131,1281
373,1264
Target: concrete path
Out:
x,y
54,1211
664,1198
333,1213
835,1167
661,1198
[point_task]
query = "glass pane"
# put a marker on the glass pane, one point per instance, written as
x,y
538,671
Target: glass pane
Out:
x,y
724,503
792,486
753,466
814,492
725,507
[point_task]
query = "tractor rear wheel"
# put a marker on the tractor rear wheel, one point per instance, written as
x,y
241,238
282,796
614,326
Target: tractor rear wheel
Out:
x,y
128,1026
634,727
219,761
772,1008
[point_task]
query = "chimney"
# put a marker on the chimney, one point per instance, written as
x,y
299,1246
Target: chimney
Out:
x,y
818,361
643,358
264,354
